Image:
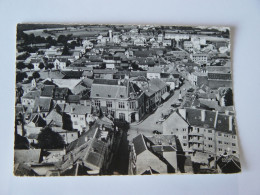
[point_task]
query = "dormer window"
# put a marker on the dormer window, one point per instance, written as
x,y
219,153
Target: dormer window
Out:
x,y
109,95
97,95
121,96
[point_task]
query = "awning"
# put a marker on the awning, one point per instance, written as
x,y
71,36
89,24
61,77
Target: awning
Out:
x,y
165,95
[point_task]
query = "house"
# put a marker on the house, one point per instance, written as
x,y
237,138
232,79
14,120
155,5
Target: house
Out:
x,y
155,91
154,72
30,98
54,117
147,158
204,131
104,73
60,63
119,99
78,115
30,156
35,124
200,58
60,95
216,80
47,91
36,63
43,106
92,152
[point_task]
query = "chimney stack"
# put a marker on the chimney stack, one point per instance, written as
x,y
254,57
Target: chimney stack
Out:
x,y
203,115
230,125
216,119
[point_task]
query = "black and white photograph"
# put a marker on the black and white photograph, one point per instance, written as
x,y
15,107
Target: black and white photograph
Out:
x,y
124,99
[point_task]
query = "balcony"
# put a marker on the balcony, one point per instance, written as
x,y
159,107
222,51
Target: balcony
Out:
x,y
196,140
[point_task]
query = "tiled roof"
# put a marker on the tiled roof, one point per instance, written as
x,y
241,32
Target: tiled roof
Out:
x,y
139,144
73,99
27,156
77,109
219,76
47,91
72,74
44,104
67,83
108,91
32,95
60,93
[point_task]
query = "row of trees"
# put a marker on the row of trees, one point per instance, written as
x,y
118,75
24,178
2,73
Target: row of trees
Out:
x,y
21,65
47,139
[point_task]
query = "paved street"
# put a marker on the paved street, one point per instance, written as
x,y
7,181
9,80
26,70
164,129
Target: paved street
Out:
x,y
148,125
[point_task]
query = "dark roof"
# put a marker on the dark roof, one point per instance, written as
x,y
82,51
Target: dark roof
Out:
x,y
47,82
47,91
44,104
104,71
139,144
60,93
72,74
219,76
138,73
106,81
194,118
73,99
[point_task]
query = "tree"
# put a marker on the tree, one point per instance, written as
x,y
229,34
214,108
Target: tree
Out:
x,y
36,75
20,65
50,66
41,66
48,139
21,142
20,76
228,97
65,50
30,66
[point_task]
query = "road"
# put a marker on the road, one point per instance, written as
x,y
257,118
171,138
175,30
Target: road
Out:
x,y
148,125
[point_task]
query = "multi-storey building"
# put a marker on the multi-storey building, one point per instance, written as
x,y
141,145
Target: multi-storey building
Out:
x,y
119,99
203,131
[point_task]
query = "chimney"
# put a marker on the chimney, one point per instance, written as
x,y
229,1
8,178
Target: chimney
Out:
x,y
182,112
216,119
230,125
203,115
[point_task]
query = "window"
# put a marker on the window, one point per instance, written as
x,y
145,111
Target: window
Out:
x,y
219,134
184,129
184,137
209,138
233,136
234,152
225,135
209,131
184,144
121,104
132,105
220,142
220,149
81,118
121,116
109,104
97,103
210,146
233,144
226,143
75,123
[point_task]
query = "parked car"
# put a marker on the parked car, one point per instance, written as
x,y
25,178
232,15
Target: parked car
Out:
x,y
190,90
176,105
156,132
